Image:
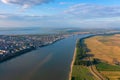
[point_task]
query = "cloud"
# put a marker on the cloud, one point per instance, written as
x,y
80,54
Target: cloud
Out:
x,y
17,20
19,17
79,15
84,10
63,3
26,3
2,16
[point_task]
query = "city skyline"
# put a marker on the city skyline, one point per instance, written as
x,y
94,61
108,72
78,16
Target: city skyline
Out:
x,y
59,13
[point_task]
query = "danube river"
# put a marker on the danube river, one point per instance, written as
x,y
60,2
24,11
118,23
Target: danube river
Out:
x,y
47,63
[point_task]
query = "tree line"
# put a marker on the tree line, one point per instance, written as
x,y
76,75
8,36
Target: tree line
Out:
x,y
80,53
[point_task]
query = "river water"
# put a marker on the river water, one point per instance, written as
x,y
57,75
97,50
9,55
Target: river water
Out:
x,y
47,63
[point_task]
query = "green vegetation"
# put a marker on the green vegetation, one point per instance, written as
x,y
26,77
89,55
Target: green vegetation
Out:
x,y
111,72
81,73
102,66
80,52
80,70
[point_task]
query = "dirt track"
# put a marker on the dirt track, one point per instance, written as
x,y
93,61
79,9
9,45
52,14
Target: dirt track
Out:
x,y
94,71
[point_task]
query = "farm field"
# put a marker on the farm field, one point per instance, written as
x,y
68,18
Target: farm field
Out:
x,y
107,67
107,49
111,75
81,73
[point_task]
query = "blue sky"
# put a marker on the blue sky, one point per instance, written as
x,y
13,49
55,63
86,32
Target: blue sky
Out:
x,y
60,13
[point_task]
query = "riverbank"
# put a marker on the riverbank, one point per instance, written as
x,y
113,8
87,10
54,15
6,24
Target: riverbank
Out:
x,y
12,55
51,42
72,63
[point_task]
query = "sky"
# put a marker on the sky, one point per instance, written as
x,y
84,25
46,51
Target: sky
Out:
x,y
60,13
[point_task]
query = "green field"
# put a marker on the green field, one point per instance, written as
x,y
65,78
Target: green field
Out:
x,y
102,66
81,73
112,72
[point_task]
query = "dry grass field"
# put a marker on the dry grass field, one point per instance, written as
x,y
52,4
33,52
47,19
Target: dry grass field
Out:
x,y
112,75
107,49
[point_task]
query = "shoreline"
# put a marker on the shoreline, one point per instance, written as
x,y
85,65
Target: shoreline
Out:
x,y
74,57
16,54
72,63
